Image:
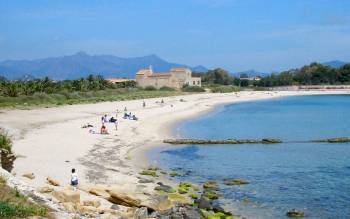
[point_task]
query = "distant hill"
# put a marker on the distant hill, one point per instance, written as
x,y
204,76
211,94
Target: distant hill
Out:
x,y
82,64
335,64
251,73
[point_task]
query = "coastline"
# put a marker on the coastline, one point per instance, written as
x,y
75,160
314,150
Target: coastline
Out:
x,y
54,137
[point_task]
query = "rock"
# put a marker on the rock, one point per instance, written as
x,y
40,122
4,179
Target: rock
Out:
x,y
184,188
207,214
115,207
232,182
191,213
45,189
123,199
295,213
52,181
204,203
149,173
67,196
165,188
29,175
99,192
93,203
141,213
69,206
178,198
90,211
211,194
211,185
173,174
194,196
145,181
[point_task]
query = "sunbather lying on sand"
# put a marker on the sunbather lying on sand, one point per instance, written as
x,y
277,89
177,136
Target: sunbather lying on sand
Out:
x,y
87,125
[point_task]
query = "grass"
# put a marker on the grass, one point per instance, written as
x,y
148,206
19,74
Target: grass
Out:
x,y
69,98
5,141
14,205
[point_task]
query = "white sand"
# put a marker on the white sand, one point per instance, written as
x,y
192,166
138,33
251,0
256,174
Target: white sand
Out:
x,y
51,141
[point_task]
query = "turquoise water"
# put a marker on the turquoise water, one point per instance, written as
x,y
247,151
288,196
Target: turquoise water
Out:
x,y
314,178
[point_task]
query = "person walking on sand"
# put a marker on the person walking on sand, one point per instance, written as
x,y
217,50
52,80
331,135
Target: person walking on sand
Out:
x,y
144,104
74,180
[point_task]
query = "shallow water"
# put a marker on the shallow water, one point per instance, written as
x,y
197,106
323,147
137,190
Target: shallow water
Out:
x,y
314,178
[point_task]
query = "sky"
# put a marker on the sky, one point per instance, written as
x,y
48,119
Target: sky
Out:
x,y
237,35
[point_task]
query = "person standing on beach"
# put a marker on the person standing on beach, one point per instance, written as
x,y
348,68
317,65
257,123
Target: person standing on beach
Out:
x,y
144,104
116,124
74,179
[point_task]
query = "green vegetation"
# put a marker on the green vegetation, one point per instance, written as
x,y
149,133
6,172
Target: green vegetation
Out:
x,y
15,205
149,173
224,89
313,74
193,89
173,174
93,89
184,188
150,88
165,88
5,141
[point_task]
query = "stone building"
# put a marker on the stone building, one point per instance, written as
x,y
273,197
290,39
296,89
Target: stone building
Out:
x,y
176,78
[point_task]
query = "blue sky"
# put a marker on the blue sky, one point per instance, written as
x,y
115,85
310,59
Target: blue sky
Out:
x,y
267,35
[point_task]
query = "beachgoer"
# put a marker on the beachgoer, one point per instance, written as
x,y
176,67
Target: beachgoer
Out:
x,y
134,117
74,180
162,101
125,110
116,124
104,130
112,119
105,118
144,104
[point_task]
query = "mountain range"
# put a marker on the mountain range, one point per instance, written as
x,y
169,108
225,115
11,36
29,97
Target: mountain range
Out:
x,y
82,64
335,64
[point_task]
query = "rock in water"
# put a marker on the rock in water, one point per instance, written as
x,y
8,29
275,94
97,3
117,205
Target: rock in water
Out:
x,y
294,213
165,188
232,182
141,213
204,203
211,185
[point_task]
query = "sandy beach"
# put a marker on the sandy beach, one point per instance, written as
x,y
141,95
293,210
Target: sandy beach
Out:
x,y
50,141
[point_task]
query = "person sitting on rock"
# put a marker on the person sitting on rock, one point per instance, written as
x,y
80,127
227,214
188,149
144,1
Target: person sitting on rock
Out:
x,y
74,180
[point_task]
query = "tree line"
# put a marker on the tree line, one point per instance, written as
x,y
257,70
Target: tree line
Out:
x,y
48,86
313,74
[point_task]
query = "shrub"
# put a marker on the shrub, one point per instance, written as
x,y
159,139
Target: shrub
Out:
x,y
5,141
9,210
224,89
150,88
193,89
165,88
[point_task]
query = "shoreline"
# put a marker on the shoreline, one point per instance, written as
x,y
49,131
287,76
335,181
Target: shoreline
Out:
x,y
54,137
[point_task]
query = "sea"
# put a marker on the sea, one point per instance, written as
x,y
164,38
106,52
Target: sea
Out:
x,y
310,177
